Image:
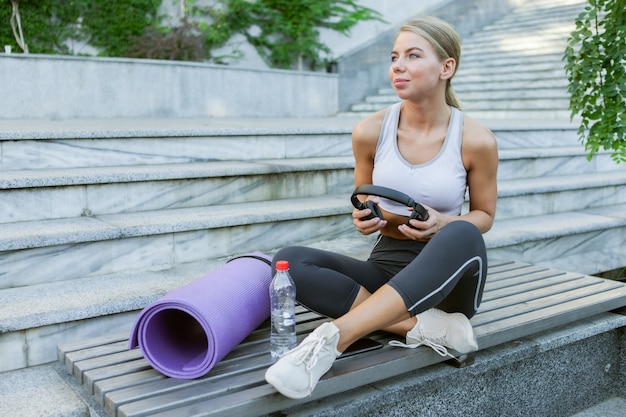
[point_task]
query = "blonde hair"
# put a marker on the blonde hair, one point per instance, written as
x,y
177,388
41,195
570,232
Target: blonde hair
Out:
x,y
446,42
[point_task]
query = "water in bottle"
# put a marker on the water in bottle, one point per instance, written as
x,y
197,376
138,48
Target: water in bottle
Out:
x,y
283,311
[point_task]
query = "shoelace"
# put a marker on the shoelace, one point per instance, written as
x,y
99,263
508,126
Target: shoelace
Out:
x,y
309,351
434,342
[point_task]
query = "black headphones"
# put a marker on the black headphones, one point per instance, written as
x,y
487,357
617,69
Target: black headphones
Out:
x,y
418,213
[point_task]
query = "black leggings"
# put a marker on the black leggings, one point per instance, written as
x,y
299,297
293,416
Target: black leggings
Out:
x,y
448,272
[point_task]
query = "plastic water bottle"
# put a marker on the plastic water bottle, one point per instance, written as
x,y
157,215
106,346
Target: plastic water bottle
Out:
x,y
283,311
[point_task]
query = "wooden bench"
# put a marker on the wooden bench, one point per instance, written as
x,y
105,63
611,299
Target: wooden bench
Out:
x,y
519,300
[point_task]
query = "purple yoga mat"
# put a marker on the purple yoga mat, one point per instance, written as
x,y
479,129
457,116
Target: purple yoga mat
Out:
x,y
187,331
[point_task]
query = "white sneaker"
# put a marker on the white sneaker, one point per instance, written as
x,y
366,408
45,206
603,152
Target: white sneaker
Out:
x,y
440,330
296,374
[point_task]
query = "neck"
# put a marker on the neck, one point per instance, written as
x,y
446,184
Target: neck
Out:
x,y
422,116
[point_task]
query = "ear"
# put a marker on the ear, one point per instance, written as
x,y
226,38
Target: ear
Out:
x,y
448,68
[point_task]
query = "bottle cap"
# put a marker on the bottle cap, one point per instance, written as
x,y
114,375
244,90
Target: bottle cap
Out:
x,y
282,265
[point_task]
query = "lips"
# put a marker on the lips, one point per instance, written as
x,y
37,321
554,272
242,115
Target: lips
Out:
x,y
399,82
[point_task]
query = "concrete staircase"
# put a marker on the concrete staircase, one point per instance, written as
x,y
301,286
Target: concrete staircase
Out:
x,y
101,217
511,69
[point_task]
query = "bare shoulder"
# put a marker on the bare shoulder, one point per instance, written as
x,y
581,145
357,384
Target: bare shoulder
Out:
x,y
368,129
477,135
479,143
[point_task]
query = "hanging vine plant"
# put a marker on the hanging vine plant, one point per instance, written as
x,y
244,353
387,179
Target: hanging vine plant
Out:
x,y
596,69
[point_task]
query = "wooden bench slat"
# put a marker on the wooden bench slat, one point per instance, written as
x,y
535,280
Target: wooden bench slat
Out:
x,y
554,316
513,277
219,375
83,366
65,349
93,376
112,383
520,286
512,268
539,296
515,309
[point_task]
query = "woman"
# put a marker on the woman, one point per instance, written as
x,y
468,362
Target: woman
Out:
x,y
424,279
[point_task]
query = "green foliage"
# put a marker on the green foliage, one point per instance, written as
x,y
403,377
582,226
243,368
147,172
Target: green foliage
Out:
x,y
113,25
110,25
46,24
596,69
284,32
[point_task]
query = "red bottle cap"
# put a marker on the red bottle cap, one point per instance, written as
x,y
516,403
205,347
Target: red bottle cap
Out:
x,y
282,265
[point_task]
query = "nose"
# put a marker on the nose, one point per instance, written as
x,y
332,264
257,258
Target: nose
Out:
x,y
397,65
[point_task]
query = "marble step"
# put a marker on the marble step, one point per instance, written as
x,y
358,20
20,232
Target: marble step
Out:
x,y
30,252
64,249
43,390
145,142
55,194
95,305
533,14
586,240
476,63
529,197
539,42
519,115
524,164
31,195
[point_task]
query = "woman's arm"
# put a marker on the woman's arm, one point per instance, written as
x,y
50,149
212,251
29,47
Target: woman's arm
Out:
x,y
364,141
480,157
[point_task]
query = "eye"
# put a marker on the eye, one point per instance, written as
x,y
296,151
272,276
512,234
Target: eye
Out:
x,y
394,59
413,56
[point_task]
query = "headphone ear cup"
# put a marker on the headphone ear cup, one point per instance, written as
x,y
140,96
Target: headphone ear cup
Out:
x,y
419,213
375,210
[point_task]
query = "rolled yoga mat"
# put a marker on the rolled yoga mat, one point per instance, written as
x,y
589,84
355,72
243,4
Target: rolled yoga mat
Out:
x,y
187,331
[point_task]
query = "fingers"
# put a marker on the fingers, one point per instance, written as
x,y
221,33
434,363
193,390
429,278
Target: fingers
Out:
x,y
367,227
419,230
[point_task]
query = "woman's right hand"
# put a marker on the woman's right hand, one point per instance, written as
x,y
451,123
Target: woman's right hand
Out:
x,y
367,227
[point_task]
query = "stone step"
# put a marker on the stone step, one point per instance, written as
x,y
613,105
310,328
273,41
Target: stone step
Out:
x,y
528,163
115,190
30,251
64,249
476,63
536,14
40,391
519,115
586,240
529,197
77,144
538,42
31,195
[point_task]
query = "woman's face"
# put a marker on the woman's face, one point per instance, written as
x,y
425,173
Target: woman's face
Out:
x,y
415,69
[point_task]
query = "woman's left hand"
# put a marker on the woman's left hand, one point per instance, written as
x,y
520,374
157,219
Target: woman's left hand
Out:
x,y
424,230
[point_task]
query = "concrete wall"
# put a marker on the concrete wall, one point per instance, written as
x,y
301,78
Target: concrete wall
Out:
x,y
59,87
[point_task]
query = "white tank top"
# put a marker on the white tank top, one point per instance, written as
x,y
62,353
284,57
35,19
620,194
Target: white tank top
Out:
x,y
439,183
